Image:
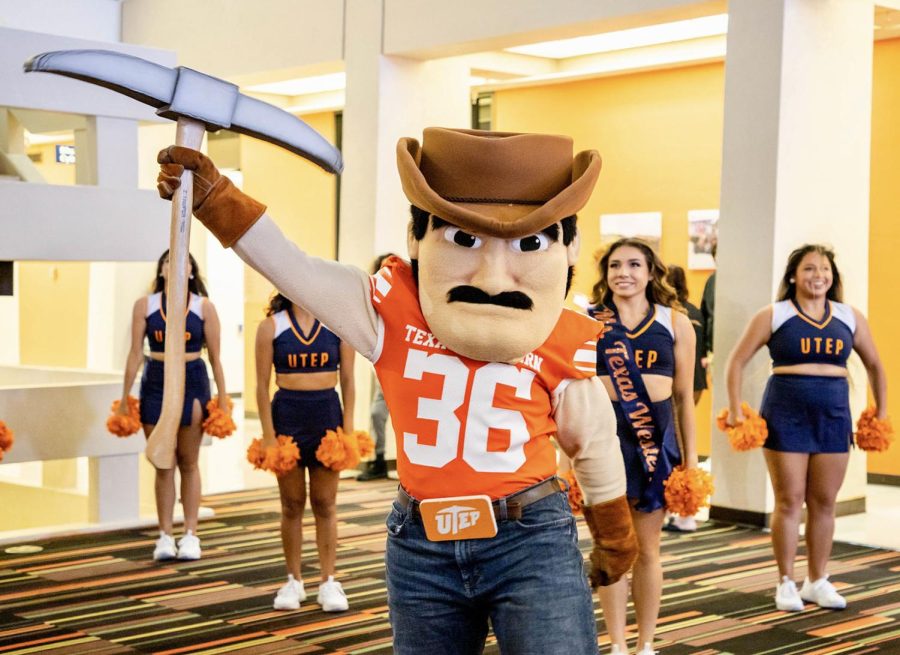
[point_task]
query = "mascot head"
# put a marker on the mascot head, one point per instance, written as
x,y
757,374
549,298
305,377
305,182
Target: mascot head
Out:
x,y
493,236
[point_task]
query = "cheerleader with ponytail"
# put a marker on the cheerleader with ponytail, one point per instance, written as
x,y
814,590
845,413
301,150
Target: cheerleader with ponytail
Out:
x,y
148,321
305,429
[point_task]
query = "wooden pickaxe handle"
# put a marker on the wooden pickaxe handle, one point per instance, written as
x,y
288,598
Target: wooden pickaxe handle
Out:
x,y
162,442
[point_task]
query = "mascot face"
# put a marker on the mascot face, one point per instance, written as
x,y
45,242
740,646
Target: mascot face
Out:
x,y
488,298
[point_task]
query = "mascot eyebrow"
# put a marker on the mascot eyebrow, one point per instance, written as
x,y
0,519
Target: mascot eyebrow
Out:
x,y
551,231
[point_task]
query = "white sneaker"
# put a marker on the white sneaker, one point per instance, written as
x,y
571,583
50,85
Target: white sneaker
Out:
x,y
646,650
290,595
165,547
822,593
189,546
787,599
332,597
615,650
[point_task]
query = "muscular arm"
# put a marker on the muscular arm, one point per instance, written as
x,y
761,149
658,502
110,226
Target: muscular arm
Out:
x,y
336,294
587,434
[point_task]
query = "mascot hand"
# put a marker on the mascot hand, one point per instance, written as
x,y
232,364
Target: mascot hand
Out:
x,y
220,206
615,544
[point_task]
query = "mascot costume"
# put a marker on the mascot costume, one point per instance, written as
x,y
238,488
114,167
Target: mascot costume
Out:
x,y
481,365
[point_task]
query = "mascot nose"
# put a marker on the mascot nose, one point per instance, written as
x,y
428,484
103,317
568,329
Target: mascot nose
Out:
x,y
493,274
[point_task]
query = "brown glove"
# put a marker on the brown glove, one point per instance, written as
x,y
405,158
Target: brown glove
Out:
x,y
220,206
615,544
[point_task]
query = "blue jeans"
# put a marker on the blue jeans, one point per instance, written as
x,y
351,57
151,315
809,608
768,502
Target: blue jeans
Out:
x,y
529,581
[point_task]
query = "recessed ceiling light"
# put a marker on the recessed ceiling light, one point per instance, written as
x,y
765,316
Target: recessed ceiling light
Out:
x,y
681,30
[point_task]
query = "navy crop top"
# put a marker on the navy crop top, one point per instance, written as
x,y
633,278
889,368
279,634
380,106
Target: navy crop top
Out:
x,y
799,339
295,352
156,323
653,343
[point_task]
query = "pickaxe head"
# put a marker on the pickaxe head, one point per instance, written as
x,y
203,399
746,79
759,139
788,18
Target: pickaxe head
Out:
x,y
184,92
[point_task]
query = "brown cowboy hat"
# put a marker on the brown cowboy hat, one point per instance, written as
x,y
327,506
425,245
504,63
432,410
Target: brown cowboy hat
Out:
x,y
501,184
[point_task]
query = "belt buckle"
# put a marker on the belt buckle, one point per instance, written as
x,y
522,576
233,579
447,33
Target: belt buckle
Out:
x,y
458,517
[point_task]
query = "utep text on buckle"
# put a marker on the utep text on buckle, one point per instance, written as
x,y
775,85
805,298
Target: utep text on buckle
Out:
x,y
460,517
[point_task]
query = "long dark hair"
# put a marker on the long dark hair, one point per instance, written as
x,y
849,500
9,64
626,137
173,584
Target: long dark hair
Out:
x,y
678,281
278,302
787,290
195,282
658,290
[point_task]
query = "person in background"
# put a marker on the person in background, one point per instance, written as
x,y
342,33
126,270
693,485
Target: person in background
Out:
x,y
377,468
678,281
810,334
309,360
708,309
148,320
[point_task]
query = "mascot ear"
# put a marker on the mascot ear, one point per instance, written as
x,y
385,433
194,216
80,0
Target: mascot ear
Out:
x,y
412,245
573,249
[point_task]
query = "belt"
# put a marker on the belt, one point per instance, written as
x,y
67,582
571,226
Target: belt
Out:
x,y
514,503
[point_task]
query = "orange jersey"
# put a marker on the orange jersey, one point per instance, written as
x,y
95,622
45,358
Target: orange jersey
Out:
x,y
464,426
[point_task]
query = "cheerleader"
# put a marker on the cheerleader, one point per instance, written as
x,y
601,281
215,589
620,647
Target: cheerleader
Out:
x,y
806,405
650,345
308,359
148,321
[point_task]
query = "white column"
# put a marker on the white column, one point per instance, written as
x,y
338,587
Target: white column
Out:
x,y
113,489
795,170
387,98
12,141
106,156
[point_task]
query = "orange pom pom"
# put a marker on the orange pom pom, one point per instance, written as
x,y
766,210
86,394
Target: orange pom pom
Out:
x,y
338,450
283,458
124,425
576,498
279,459
256,454
364,443
872,433
218,423
7,438
687,490
750,433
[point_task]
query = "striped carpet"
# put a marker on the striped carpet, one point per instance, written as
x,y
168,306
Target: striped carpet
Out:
x,y
101,594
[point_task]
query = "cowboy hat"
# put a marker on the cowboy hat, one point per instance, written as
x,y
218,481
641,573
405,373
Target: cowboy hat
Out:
x,y
501,184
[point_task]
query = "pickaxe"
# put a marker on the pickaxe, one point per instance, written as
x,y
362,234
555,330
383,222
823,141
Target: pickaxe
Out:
x,y
198,103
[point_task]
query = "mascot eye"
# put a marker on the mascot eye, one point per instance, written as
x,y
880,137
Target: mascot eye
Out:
x,y
460,238
532,243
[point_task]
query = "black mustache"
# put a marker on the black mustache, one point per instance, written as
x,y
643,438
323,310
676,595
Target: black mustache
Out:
x,y
514,299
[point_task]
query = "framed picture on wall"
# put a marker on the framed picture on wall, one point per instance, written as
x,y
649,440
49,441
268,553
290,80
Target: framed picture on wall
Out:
x,y
643,225
702,236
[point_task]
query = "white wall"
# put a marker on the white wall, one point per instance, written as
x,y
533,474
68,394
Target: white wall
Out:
x,y
98,20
